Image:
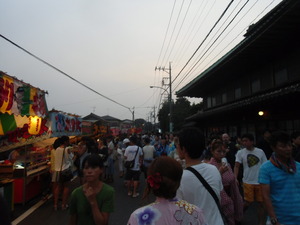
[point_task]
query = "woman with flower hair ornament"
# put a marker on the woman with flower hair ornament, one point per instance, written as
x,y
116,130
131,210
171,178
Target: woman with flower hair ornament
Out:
x,y
164,175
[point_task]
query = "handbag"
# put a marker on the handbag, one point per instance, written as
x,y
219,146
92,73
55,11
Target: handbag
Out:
x,y
130,163
67,174
211,191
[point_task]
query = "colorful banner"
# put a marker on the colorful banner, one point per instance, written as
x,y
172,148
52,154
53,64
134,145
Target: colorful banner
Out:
x,y
63,124
19,98
20,134
86,128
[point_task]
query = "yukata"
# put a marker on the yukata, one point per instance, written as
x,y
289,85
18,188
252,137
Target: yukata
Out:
x,y
167,212
162,150
231,199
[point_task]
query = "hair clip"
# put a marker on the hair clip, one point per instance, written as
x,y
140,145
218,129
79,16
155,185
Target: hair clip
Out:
x,y
154,181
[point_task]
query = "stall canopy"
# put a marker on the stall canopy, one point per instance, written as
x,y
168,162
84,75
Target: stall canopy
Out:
x,y
56,124
20,105
19,98
24,117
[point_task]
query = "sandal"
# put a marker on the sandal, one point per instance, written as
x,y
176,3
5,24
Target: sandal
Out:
x,y
135,195
65,207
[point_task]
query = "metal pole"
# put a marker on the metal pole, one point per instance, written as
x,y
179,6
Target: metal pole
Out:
x,y
170,99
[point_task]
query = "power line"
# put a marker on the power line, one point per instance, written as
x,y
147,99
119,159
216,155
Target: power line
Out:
x,y
172,32
191,28
204,39
60,71
205,17
166,33
178,32
213,42
219,52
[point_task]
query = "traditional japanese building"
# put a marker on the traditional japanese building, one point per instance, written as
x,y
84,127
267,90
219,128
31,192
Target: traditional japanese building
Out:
x,y
260,75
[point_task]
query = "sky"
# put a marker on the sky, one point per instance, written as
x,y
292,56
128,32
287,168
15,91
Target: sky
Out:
x,y
114,46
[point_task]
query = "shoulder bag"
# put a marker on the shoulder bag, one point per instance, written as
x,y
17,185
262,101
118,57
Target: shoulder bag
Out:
x,y
67,174
130,164
210,190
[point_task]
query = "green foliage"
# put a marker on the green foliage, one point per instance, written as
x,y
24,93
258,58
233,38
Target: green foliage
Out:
x,y
182,109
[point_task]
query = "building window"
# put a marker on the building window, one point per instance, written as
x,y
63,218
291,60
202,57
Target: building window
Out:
x,y
213,101
208,102
280,76
224,98
238,93
255,86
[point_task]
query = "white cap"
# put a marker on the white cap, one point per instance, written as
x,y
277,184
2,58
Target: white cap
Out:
x,y
126,140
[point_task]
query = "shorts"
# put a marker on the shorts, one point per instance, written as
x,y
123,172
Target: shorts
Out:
x,y
56,177
252,192
132,175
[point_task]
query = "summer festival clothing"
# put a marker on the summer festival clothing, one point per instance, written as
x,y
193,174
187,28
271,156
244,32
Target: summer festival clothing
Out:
x,y
167,212
231,199
192,191
251,161
80,206
149,152
284,192
130,153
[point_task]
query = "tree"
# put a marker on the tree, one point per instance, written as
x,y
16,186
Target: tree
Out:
x,y
139,123
182,109
163,116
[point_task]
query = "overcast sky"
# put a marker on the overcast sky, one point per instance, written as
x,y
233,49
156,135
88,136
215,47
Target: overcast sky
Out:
x,y
113,47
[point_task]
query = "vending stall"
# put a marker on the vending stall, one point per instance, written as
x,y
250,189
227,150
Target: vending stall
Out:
x,y
22,122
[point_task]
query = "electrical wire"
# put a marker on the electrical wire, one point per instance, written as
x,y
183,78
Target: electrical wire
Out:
x,y
213,43
199,27
224,22
232,41
65,74
219,52
173,32
167,60
191,28
166,33
204,39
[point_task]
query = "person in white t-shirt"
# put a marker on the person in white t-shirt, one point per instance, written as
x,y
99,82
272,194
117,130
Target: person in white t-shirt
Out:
x,y
133,175
190,145
149,153
251,158
62,161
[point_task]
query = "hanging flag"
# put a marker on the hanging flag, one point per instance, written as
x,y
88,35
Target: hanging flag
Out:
x,y
19,98
6,93
8,123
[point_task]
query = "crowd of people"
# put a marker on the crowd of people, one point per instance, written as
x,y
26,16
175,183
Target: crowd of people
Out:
x,y
194,180
236,173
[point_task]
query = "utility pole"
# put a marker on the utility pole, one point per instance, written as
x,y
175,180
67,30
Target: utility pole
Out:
x,y
154,115
169,71
133,123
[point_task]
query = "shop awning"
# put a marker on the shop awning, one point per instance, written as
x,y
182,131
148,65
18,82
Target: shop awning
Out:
x,y
19,98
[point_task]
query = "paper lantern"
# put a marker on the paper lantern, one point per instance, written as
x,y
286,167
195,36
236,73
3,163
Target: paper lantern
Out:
x,y
34,125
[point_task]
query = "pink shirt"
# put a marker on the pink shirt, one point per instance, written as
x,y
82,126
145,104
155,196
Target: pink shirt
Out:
x,y
164,212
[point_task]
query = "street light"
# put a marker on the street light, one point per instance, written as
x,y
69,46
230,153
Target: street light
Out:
x,y
170,105
165,90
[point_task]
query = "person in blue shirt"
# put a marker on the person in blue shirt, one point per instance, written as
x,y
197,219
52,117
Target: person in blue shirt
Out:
x,y
280,180
162,148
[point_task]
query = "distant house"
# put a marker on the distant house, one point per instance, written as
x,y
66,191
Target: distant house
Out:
x,y
94,124
261,74
113,122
